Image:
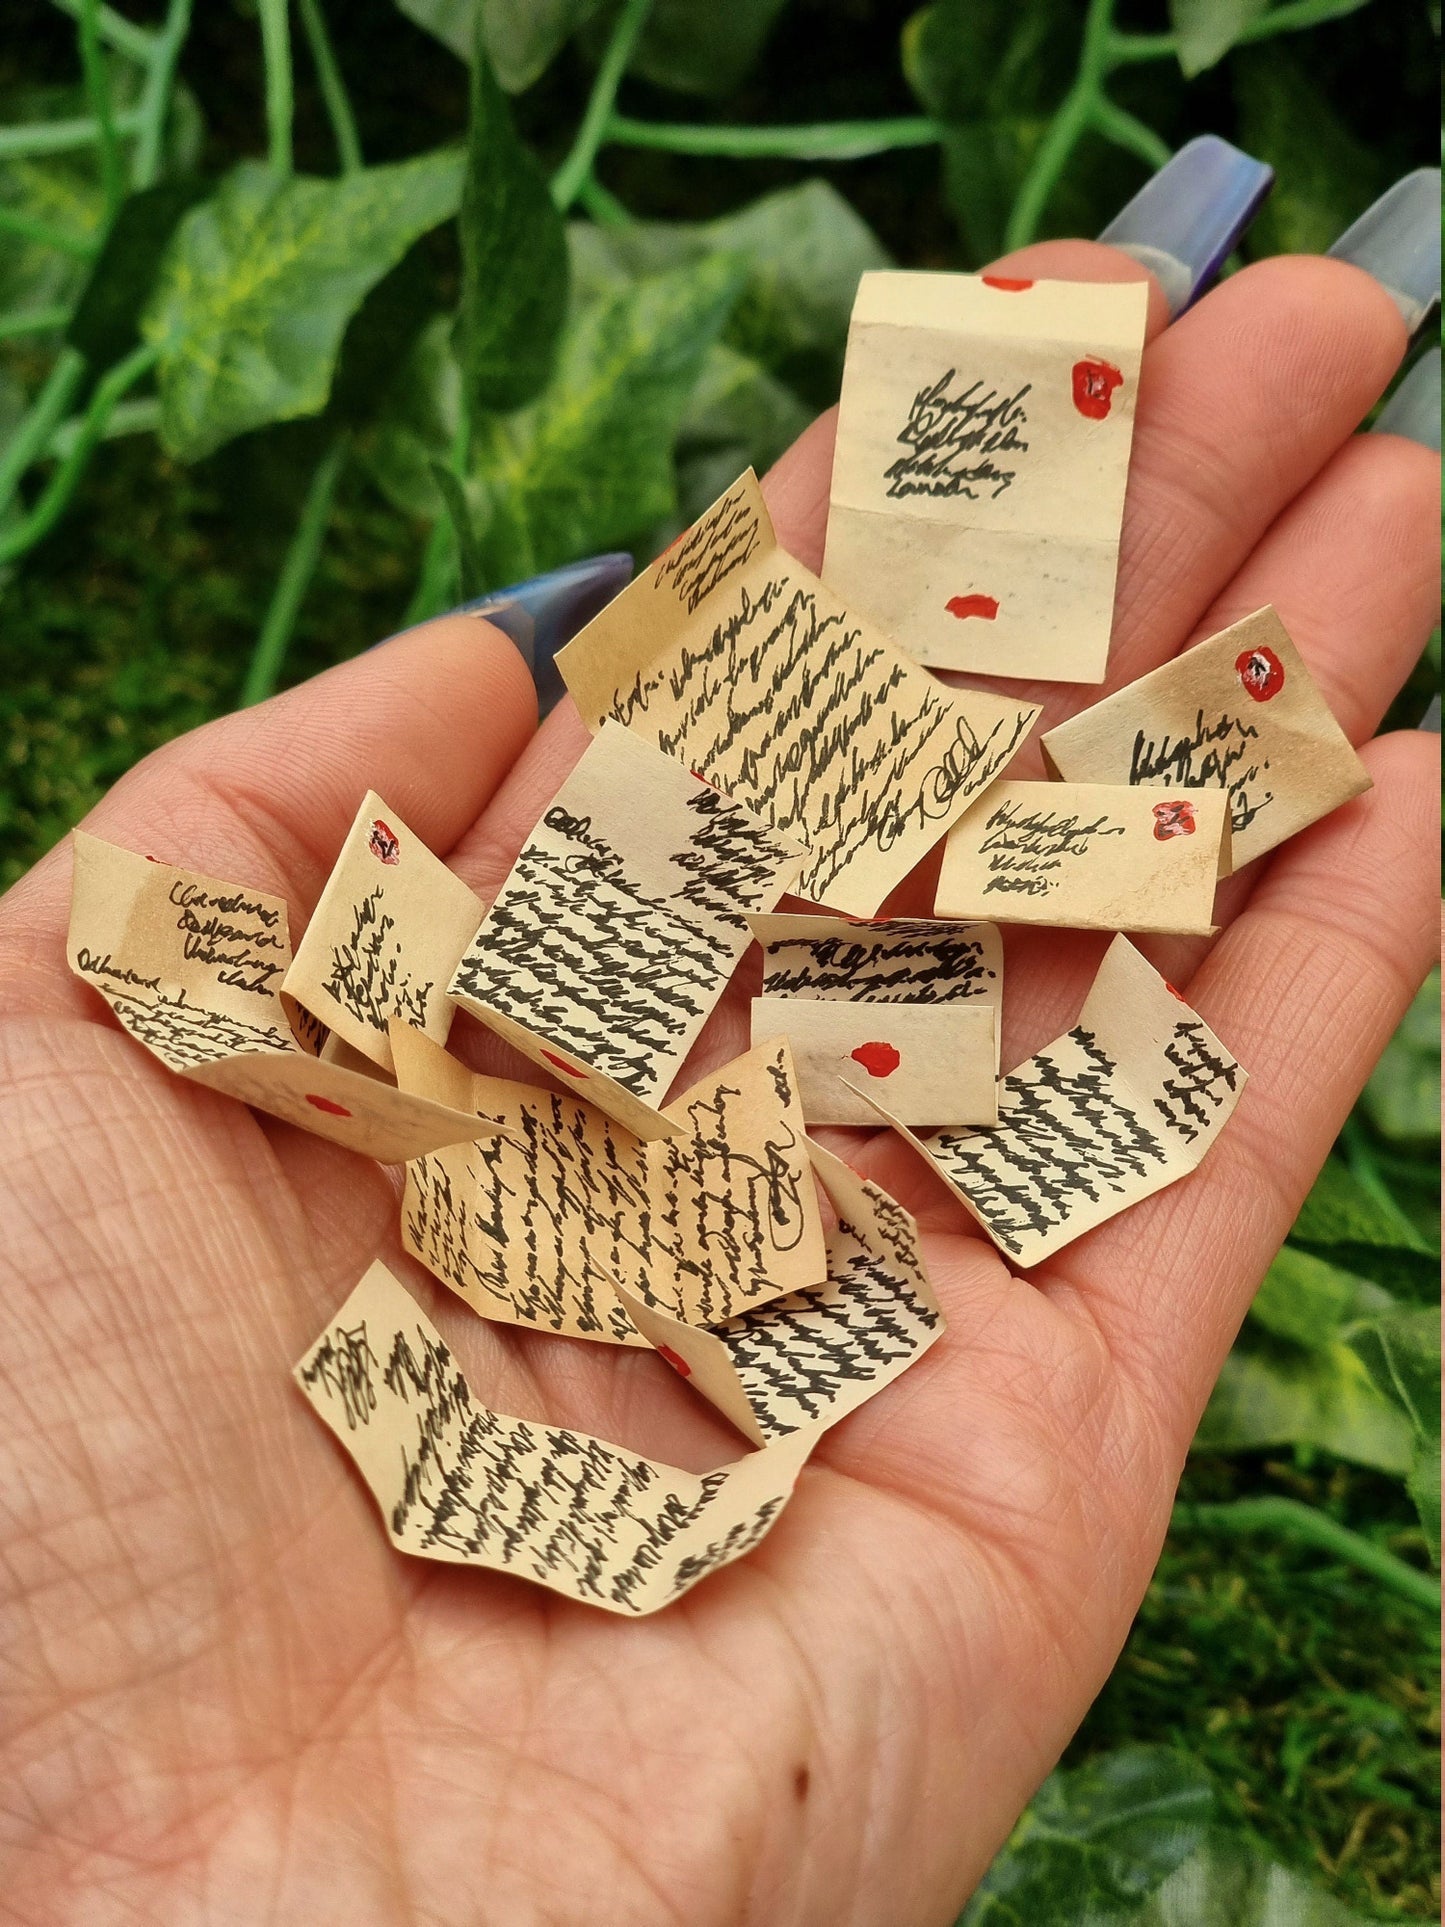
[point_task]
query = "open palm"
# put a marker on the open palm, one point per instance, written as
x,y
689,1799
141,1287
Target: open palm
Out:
x,y
227,1699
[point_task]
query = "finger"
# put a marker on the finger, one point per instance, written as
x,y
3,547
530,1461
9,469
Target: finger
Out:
x,y
1306,989
432,720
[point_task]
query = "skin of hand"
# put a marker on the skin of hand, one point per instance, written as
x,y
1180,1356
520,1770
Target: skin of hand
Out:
x,y
226,1699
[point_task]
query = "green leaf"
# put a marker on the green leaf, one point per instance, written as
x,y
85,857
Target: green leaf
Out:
x,y
1097,1841
589,465
453,22
416,424
514,259
1308,1301
259,283
1402,1098
1401,1352
459,514
1207,29
1324,176
1343,1221
104,324
1233,1882
1273,1393
524,37
698,46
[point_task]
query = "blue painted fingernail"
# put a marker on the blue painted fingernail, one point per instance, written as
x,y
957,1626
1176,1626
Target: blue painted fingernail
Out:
x,y
542,614
1414,409
1430,721
1184,221
1397,240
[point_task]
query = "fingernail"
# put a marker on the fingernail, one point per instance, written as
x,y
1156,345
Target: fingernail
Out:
x,y
1397,240
542,614
1185,220
1414,409
1430,721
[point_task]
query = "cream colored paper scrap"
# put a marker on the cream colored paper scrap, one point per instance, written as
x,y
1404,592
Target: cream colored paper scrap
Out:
x,y
459,1483
803,1362
534,1230
984,430
1238,711
909,1006
385,937
1123,1104
613,938
732,657
193,966
1088,856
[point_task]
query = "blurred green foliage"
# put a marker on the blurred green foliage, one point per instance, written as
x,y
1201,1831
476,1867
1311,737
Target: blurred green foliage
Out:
x,y
480,286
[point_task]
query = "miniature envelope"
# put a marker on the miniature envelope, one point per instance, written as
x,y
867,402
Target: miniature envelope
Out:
x,y
385,937
732,657
1088,856
803,1362
623,918
910,1005
193,966
1123,1104
1239,711
984,429
459,1483
539,1228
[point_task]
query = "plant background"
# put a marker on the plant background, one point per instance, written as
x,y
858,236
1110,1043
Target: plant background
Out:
x,y
239,448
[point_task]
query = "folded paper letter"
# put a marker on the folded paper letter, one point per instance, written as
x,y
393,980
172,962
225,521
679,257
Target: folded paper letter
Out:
x,y
193,966
1118,1107
978,485
620,924
1238,711
733,658
1088,856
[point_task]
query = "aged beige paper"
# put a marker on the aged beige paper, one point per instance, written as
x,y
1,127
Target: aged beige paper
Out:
x,y
1088,856
193,966
803,1362
1123,1104
1239,711
462,1484
385,937
617,930
984,429
733,658
908,1005
536,1229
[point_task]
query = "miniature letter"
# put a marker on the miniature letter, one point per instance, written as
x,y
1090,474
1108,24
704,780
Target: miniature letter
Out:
x,y
732,657
458,1483
620,924
1123,1104
193,968
385,937
984,430
1237,711
1088,856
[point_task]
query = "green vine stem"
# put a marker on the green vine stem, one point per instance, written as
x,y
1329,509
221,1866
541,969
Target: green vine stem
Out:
x,y
842,140
97,93
32,321
34,432
295,577
32,141
1306,1526
333,88
116,31
141,417
155,100
28,228
280,103
597,121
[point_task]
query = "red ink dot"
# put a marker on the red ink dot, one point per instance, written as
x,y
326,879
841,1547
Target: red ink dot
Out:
x,y
879,1060
331,1108
1178,994
562,1064
678,1364
384,843
973,605
1261,672
1173,819
1094,385
1006,282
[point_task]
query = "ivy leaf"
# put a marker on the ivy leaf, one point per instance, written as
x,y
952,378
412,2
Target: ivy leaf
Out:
x,y
1324,175
259,283
103,326
469,555
1207,29
453,22
514,259
697,46
1097,1841
1401,1352
1402,1098
524,37
1272,1393
1342,1221
416,424
1233,1880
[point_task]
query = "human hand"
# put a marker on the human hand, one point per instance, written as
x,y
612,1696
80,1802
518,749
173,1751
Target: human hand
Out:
x,y
228,1698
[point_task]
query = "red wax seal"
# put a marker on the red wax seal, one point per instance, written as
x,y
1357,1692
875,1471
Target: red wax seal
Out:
x,y
562,1064
1173,819
1261,672
1094,385
384,843
972,605
1005,282
879,1060
331,1108
679,1365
